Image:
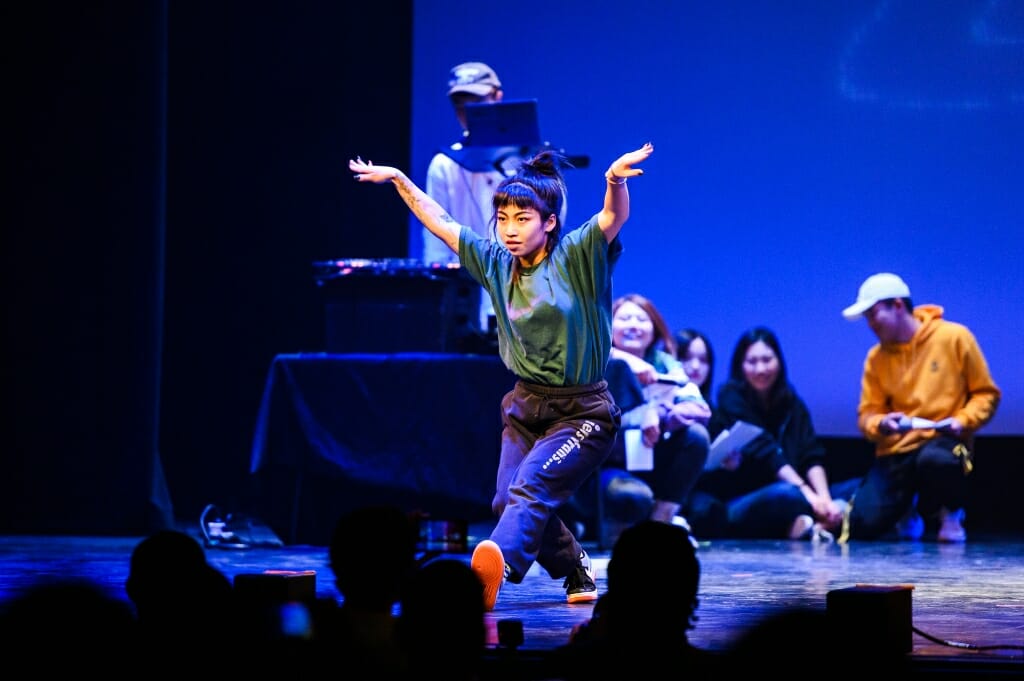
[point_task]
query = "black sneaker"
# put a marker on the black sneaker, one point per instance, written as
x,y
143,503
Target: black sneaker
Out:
x,y
579,585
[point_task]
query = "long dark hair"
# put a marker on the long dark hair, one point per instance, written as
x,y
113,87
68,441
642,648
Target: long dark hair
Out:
x,y
780,390
684,337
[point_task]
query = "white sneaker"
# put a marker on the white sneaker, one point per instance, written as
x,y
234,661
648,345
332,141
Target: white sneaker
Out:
x,y
682,522
951,527
819,535
802,527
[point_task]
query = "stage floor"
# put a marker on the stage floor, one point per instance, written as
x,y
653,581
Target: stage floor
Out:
x,y
967,599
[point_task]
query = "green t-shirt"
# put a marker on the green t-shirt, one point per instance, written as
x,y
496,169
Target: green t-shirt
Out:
x,y
554,322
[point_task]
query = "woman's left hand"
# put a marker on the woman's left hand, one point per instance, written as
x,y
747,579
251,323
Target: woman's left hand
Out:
x,y
827,512
623,165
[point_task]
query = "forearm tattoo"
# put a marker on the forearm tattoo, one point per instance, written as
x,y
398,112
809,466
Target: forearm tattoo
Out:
x,y
421,208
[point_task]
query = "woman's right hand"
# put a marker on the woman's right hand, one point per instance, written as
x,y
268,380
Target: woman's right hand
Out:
x,y
642,369
651,426
732,460
367,172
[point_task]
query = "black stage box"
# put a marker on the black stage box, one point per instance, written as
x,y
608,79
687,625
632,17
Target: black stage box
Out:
x,y
399,305
873,617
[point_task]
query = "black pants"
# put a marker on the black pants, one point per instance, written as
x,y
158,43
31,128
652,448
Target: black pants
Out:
x,y
935,472
553,439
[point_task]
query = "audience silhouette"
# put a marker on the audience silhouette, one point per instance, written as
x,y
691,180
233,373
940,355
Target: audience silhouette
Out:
x,y
441,627
372,553
632,625
68,626
183,605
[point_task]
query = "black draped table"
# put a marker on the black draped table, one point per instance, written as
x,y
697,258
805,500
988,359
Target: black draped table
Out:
x,y
421,430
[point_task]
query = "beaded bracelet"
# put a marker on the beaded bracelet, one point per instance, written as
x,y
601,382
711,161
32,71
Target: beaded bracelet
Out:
x,y
613,178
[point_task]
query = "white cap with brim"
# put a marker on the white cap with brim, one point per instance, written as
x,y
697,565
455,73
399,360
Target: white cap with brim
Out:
x,y
883,286
473,78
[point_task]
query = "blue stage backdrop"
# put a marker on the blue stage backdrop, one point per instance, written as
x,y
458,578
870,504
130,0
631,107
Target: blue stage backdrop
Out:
x,y
801,146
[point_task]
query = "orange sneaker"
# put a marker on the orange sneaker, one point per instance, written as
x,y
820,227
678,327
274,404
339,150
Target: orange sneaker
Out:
x,y
489,564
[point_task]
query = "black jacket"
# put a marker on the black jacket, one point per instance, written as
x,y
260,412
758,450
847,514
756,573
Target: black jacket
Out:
x,y
788,437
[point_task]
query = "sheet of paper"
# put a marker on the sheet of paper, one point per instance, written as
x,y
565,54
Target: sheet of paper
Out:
x,y
639,457
918,423
730,440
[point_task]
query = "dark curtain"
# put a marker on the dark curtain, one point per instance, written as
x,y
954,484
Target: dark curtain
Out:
x,y
83,252
174,169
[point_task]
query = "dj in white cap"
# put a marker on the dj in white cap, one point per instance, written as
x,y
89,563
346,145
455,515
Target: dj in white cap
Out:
x,y
465,194
925,391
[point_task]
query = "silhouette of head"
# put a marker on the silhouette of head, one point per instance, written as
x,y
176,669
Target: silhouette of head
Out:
x,y
442,616
69,625
372,551
175,590
636,555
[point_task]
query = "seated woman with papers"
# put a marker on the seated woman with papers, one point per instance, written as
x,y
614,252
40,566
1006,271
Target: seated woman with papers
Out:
x,y
663,444
765,476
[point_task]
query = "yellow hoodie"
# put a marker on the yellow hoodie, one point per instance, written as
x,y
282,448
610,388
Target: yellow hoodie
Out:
x,y
940,373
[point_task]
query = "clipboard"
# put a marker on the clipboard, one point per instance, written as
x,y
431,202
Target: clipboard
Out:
x,y
731,440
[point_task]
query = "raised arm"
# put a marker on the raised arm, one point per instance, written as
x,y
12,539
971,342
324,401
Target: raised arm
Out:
x,y
615,211
427,210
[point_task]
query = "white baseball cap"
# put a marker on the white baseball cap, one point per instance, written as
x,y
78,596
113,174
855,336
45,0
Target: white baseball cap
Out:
x,y
473,78
882,286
